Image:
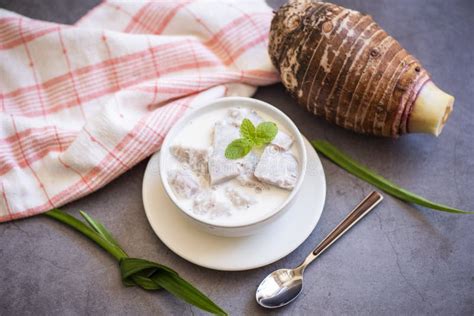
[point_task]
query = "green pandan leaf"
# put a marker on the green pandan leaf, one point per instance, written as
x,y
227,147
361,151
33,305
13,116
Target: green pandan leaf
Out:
x,y
148,275
364,173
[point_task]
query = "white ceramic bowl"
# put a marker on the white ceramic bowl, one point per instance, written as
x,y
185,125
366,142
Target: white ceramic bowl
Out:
x,y
255,224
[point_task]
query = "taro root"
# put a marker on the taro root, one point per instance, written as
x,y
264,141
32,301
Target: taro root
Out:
x,y
341,65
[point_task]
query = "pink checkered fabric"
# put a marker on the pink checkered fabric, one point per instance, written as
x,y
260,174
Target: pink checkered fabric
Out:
x,y
79,105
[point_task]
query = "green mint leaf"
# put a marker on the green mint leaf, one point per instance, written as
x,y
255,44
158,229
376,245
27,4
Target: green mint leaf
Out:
x,y
247,129
238,148
266,132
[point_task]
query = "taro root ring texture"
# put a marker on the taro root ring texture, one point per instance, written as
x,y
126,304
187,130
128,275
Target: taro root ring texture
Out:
x,y
341,65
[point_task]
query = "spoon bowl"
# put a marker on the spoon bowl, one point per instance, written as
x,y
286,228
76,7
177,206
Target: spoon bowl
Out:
x,y
280,288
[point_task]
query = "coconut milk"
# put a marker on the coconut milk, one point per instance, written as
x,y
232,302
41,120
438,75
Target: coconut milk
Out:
x,y
198,133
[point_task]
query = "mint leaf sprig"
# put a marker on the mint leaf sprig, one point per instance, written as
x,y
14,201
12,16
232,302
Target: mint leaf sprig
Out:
x,y
251,136
138,272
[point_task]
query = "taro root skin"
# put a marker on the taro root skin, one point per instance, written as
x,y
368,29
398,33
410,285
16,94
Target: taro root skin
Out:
x,y
341,65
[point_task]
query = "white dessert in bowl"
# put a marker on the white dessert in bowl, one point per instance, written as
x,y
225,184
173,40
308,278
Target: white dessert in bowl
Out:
x,y
231,197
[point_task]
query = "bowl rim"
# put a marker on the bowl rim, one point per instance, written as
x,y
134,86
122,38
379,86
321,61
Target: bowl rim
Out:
x,y
272,110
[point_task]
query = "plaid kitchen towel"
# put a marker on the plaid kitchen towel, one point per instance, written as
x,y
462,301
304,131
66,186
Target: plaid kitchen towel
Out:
x,y
79,105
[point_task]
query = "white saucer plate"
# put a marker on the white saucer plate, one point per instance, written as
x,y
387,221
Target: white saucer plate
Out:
x,y
235,253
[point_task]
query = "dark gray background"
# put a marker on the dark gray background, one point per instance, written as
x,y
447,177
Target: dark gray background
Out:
x,y
401,259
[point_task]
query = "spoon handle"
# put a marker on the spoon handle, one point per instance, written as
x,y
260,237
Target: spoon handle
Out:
x,y
364,207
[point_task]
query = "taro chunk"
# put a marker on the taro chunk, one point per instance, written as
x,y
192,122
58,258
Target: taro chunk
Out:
x,y
254,117
239,199
282,140
195,158
276,167
237,115
183,182
224,134
247,168
222,169
207,203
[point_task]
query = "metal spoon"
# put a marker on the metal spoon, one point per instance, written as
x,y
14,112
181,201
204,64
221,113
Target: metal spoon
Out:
x,y
283,286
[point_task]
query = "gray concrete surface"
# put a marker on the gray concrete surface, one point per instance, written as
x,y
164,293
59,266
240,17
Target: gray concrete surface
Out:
x,y
401,260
